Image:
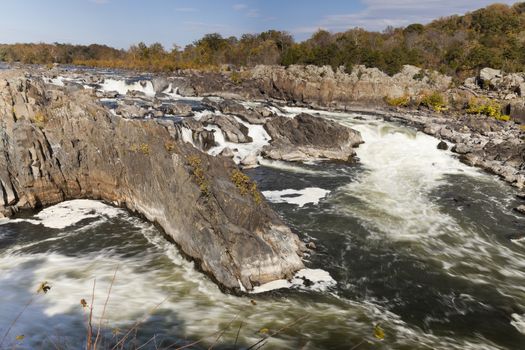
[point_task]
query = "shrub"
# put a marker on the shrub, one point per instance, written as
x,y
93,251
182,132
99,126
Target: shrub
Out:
x,y
40,119
198,174
434,101
236,77
142,148
169,146
402,101
245,185
488,107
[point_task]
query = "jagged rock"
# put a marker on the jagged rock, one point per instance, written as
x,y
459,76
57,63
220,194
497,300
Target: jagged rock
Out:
x,y
249,161
236,109
68,146
233,130
322,86
517,110
306,137
442,146
131,111
481,125
227,152
520,209
201,138
135,93
160,84
461,148
488,76
179,109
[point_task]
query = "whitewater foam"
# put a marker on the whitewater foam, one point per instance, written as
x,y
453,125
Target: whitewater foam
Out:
x,y
310,195
308,279
69,213
122,87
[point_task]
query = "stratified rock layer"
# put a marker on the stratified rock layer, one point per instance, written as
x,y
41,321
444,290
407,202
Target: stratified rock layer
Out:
x,y
306,137
58,145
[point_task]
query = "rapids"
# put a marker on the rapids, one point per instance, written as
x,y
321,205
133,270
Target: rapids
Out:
x,y
408,238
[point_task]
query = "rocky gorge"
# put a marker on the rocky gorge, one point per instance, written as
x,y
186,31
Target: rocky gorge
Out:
x,y
60,144
341,208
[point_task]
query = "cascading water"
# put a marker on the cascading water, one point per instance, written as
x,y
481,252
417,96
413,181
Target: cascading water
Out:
x,y
416,242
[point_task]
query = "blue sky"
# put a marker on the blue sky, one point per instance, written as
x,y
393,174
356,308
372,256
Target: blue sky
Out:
x,y
120,23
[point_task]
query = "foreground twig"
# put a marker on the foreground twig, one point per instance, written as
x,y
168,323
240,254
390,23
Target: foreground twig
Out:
x,y
276,332
16,320
104,309
137,324
89,343
237,337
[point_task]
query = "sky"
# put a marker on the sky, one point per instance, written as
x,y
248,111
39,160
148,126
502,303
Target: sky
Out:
x,y
120,23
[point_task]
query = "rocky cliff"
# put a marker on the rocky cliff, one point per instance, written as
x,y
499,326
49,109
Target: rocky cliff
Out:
x,y
324,87
59,144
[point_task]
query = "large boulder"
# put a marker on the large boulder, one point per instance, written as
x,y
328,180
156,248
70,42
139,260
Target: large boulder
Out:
x,y
306,137
516,110
229,106
160,84
60,145
490,77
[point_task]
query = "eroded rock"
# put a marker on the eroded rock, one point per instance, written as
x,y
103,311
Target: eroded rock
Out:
x,y
66,145
306,137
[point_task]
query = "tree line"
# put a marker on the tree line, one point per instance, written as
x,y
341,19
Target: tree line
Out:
x,y
457,45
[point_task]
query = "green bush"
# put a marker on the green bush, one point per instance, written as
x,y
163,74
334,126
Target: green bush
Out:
x,y
198,174
486,107
402,101
434,101
245,185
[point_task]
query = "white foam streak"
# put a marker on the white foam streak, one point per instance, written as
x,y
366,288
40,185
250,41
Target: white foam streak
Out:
x,y
310,195
518,321
122,87
308,279
240,150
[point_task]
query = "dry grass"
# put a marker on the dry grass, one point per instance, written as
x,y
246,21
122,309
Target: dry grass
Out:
x,y
199,175
245,185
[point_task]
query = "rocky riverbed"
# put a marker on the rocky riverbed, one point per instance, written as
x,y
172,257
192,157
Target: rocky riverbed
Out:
x,y
391,229
64,140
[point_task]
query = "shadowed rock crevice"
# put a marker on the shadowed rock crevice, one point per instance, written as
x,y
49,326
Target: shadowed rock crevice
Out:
x,y
60,145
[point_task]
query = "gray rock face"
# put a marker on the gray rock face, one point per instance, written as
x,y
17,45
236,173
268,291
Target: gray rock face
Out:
x,y
233,130
517,110
60,145
160,84
321,86
488,75
177,108
306,137
231,107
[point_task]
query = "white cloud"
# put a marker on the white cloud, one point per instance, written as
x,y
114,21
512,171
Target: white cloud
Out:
x,y
378,14
247,11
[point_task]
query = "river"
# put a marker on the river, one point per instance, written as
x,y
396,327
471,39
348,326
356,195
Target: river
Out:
x,y
425,247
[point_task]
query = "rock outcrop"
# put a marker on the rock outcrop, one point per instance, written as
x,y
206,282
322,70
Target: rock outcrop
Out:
x,y
509,88
57,145
321,86
305,137
498,147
